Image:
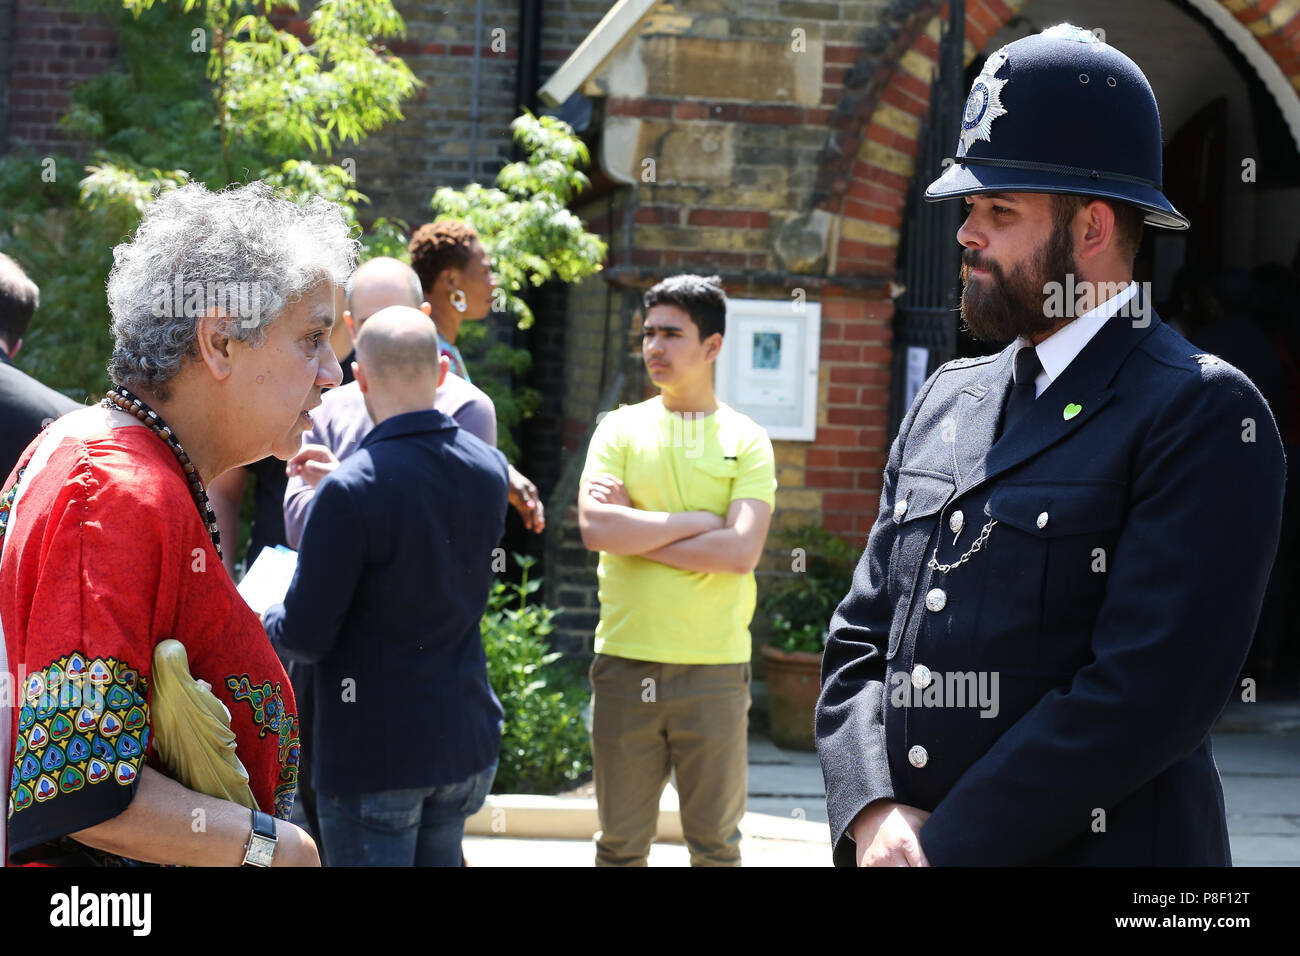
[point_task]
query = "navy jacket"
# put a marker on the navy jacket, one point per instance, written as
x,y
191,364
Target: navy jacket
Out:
x,y
392,580
26,406
1137,507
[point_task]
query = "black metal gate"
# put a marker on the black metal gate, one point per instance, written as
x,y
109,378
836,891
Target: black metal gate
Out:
x,y
930,257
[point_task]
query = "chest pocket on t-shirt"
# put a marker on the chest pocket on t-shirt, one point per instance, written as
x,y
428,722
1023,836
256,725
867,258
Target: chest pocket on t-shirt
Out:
x,y
710,484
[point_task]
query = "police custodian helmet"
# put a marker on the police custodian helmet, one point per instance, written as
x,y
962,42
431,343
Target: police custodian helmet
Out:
x,y
1061,112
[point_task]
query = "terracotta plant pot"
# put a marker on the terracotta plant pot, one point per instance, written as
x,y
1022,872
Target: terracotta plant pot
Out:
x,y
793,683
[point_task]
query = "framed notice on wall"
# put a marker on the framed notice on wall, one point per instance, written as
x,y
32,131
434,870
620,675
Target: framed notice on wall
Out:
x,y
768,365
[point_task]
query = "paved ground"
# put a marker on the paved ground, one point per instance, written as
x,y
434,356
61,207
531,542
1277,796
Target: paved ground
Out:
x,y
1261,789
496,851
784,786
1257,750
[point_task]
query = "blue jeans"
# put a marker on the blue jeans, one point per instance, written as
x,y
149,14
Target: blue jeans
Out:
x,y
417,827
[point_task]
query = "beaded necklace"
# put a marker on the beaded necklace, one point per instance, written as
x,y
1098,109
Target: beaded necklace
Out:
x,y
124,400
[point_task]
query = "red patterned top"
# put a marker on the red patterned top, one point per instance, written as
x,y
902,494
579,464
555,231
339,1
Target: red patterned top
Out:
x,y
104,555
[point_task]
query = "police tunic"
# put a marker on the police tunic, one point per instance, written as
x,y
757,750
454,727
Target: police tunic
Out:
x,y
1045,625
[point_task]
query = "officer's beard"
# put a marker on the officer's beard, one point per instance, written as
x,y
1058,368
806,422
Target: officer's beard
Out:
x,y
1002,306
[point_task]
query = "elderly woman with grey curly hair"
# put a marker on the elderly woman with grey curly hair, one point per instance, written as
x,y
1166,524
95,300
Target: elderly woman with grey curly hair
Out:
x,y
221,308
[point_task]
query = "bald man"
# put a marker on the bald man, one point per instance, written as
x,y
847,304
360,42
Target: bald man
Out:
x,y
379,283
339,424
393,578
342,421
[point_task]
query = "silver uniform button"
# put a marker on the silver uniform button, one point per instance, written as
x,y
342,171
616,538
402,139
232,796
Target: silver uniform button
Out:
x,y
900,508
1042,520
920,676
956,522
936,599
917,756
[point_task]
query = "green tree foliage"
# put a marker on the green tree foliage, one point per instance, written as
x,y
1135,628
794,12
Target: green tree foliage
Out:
x,y
208,91
532,237
214,92
524,221
544,743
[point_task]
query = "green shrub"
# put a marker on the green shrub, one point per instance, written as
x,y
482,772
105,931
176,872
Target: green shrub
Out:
x,y
801,608
544,744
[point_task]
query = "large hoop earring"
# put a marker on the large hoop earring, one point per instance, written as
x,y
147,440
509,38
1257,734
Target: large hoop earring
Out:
x,y
458,300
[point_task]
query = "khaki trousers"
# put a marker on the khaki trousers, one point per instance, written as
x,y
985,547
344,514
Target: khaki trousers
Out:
x,y
649,719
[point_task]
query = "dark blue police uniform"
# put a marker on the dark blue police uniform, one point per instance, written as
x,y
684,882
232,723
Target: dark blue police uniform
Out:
x,y
1099,566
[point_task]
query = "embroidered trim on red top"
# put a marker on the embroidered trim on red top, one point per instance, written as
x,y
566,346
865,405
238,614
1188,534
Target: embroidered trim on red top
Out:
x,y
84,721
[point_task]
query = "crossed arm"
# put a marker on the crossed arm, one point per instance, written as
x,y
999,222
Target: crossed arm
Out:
x,y
691,540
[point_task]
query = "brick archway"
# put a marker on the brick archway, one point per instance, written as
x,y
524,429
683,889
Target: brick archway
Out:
x,y
865,179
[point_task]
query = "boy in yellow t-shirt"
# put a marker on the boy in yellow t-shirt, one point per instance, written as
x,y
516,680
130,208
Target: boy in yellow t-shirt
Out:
x,y
677,497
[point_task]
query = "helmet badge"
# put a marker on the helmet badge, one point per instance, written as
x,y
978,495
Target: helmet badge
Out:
x,y
983,106
1068,31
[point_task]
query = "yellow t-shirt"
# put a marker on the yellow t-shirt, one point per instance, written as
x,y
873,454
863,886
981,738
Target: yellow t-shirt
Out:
x,y
673,462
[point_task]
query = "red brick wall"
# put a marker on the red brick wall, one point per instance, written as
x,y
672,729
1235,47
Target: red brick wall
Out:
x,y
1276,24
850,451
53,50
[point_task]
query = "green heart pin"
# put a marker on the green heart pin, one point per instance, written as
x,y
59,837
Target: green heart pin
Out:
x,y
1071,410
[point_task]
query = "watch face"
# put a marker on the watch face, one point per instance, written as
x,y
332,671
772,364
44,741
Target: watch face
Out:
x,y
260,851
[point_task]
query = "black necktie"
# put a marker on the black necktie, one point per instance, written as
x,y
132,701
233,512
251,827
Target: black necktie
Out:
x,y
1023,391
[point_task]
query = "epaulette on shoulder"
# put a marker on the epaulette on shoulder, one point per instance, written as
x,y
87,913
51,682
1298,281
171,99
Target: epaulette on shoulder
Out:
x,y
1169,348
966,362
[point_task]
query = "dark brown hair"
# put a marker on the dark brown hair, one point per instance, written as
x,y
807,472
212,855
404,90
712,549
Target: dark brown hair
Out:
x,y
18,299
438,246
700,297
1128,219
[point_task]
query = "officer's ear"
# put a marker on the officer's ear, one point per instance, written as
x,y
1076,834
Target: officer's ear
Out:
x,y
1094,230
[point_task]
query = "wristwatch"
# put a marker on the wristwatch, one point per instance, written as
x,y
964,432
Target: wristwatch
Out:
x,y
260,849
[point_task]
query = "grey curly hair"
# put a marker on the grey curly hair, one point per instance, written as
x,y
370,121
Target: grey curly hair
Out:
x,y
249,250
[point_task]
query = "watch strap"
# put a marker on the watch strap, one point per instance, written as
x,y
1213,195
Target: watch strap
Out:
x,y
260,849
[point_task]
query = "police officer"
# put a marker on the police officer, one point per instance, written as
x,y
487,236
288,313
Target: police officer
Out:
x,y
1074,534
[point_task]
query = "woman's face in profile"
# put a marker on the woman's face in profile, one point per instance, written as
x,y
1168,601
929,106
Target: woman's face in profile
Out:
x,y
477,282
278,382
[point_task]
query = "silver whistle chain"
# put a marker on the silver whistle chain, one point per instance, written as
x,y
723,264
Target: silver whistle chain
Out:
x,y
979,543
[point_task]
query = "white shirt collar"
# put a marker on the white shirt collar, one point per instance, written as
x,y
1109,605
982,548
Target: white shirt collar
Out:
x,y
1060,348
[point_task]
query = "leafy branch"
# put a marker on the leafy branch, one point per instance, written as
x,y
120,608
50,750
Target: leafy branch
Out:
x,y
209,90
524,221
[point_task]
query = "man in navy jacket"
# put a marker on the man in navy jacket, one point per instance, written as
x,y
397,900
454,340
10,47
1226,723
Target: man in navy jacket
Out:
x,y
392,580
1074,535
26,406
